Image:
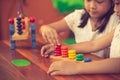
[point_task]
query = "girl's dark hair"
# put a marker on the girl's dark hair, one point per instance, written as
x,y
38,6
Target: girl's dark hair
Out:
x,y
102,27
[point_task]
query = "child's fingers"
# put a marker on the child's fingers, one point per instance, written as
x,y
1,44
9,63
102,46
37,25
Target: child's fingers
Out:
x,y
49,36
52,36
42,51
56,39
55,66
46,49
44,37
43,33
51,39
52,68
56,73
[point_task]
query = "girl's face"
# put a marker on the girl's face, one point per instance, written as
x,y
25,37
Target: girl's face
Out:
x,y
117,7
97,8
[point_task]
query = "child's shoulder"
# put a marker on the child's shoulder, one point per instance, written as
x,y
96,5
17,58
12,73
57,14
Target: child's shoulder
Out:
x,y
114,19
114,16
76,13
118,26
79,11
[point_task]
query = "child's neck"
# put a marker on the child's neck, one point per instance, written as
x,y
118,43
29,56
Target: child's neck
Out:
x,y
95,22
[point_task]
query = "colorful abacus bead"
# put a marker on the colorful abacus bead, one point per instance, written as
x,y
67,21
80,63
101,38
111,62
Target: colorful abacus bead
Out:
x,y
18,19
57,50
32,19
64,51
72,54
79,57
23,24
87,59
11,21
19,25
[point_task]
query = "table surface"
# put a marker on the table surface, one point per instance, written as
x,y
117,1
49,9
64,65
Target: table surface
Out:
x,y
39,65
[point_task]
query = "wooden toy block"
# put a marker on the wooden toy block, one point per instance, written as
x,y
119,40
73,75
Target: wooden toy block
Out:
x,y
20,29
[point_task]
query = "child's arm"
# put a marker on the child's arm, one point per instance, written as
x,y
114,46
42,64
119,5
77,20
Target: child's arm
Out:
x,y
94,45
50,32
84,47
111,65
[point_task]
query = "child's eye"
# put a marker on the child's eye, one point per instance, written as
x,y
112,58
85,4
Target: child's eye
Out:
x,y
88,0
116,2
100,1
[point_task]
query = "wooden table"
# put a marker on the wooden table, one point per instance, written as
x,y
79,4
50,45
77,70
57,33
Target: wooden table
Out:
x,y
39,65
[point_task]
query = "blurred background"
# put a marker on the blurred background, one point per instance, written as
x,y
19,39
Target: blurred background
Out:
x,y
44,11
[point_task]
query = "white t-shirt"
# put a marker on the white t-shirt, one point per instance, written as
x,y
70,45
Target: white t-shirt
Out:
x,y
86,33
115,45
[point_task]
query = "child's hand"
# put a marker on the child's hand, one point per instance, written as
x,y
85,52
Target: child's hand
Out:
x,y
63,68
49,34
47,49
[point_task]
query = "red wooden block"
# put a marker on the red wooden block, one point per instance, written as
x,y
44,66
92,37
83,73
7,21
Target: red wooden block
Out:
x,y
11,21
32,19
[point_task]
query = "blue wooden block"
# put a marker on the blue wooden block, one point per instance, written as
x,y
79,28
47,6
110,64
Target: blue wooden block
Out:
x,y
12,45
12,42
32,25
11,29
33,44
87,59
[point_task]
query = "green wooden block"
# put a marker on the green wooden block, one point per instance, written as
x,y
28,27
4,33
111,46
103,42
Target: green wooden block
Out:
x,y
21,62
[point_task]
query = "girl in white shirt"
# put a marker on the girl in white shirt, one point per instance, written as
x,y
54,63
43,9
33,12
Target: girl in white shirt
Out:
x,y
96,20
110,65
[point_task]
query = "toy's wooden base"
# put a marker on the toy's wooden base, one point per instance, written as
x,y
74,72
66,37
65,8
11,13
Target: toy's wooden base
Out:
x,y
61,58
24,36
57,58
